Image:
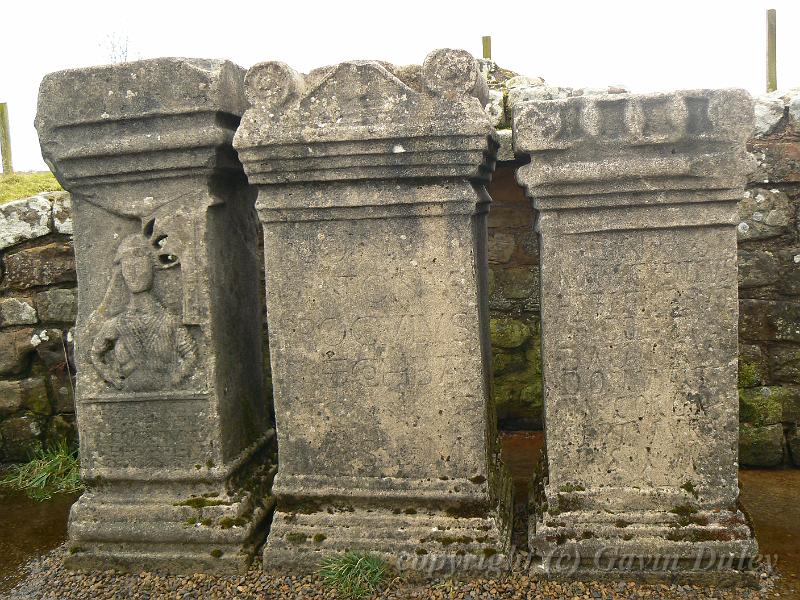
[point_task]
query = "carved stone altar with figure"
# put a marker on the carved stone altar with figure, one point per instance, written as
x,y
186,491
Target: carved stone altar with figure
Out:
x,y
371,191
637,206
176,446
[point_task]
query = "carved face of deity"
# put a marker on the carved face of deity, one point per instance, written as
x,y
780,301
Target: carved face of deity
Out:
x,y
136,264
137,270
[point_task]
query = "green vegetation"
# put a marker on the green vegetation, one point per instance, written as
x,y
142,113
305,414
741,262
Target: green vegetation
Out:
x,y
763,405
354,574
198,502
749,374
52,471
21,185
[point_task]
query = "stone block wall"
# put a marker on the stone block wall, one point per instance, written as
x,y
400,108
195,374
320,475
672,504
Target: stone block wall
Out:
x,y
514,304
769,289
37,312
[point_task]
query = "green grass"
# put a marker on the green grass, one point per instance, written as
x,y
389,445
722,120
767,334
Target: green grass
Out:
x,y
21,185
354,574
52,471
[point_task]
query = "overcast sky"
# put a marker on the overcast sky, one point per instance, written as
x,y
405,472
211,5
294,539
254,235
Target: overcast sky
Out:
x,y
644,45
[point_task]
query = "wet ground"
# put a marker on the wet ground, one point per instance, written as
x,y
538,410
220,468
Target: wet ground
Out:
x,y
28,528
771,497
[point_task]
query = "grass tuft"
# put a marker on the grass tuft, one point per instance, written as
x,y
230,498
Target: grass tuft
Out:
x,y
354,574
21,185
52,471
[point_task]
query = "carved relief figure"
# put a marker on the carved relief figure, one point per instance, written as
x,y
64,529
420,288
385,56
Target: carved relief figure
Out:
x,y
142,346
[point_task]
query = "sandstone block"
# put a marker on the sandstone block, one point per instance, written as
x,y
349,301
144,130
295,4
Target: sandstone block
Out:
x,y
20,437
41,265
15,348
761,446
22,220
762,406
16,311
57,305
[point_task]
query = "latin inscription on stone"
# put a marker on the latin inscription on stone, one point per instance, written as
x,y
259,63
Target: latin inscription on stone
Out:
x,y
387,328
150,435
657,302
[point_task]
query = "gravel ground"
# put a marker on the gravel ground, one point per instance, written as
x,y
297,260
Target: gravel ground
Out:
x,y
48,580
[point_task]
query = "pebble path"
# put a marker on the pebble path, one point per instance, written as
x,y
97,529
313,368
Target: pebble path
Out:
x,y
48,580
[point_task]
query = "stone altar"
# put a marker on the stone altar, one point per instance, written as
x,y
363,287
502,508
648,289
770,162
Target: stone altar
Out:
x,y
177,449
371,193
636,199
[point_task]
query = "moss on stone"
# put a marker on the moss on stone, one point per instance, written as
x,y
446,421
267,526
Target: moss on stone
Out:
x,y
689,487
508,333
749,375
295,537
228,522
319,538
683,510
571,487
216,553
505,362
198,502
763,405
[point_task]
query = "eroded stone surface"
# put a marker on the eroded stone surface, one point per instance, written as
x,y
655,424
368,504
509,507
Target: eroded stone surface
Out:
x,y
376,265
637,198
175,437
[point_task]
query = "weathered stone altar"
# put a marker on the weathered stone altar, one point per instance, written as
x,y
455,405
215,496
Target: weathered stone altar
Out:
x,y
637,211
371,192
176,445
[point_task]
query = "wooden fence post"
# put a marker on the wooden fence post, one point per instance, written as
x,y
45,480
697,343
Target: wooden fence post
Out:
x,y
487,46
772,67
5,139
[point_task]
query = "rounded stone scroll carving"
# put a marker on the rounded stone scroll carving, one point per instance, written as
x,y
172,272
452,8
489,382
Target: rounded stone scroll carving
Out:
x,y
446,70
140,345
272,84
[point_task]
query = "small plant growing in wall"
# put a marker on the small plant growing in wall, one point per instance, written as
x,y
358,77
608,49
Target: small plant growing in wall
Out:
x,y
52,471
354,574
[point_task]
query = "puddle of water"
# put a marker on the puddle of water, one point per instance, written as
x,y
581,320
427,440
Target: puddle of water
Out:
x,y
772,499
28,528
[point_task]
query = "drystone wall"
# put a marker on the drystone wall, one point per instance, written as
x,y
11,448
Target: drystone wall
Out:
x,y
769,289
37,314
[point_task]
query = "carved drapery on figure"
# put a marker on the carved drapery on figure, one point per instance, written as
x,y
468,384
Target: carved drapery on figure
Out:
x,y
141,345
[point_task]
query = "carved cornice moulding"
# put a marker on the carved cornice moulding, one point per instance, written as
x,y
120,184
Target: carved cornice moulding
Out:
x,y
629,150
367,120
159,118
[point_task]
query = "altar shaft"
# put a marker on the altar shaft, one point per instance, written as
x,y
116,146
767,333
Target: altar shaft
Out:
x,y
371,192
177,450
637,206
